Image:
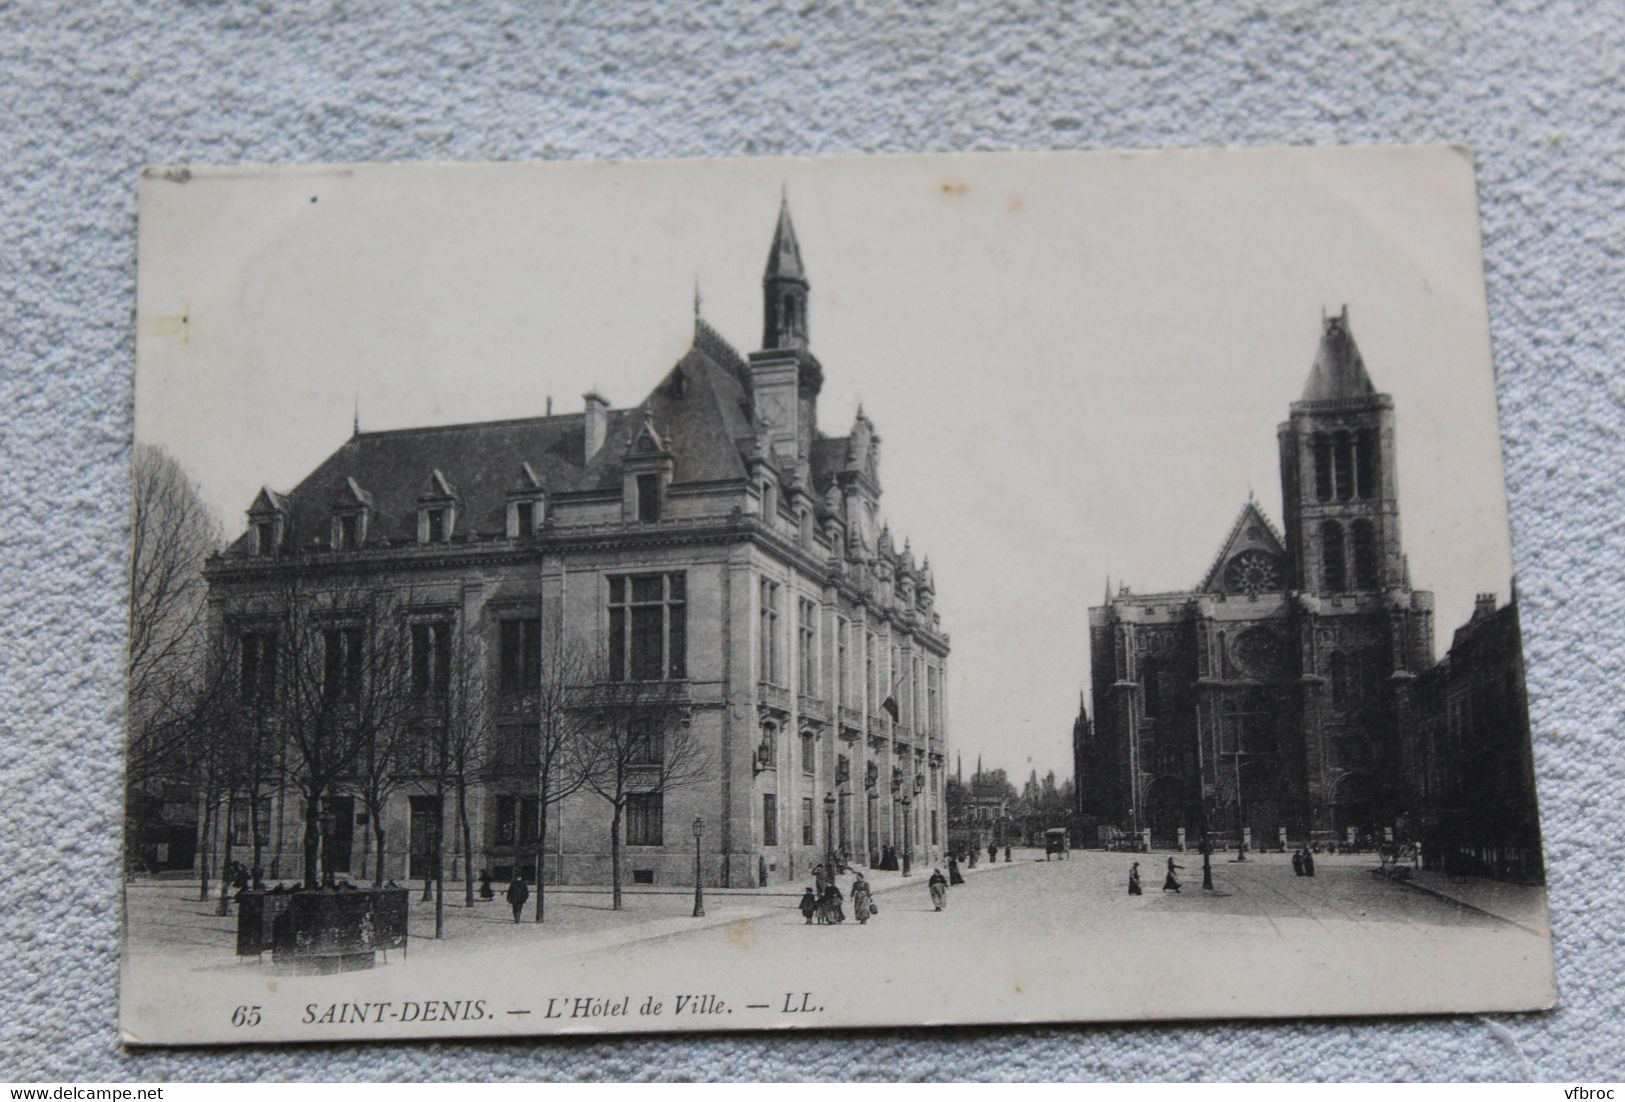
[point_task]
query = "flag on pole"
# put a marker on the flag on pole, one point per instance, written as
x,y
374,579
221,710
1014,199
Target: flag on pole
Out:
x,y
889,706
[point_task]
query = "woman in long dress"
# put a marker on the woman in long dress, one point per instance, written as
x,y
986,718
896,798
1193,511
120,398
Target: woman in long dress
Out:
x,y
1134,879
861,900
939,889
1171,884
954,876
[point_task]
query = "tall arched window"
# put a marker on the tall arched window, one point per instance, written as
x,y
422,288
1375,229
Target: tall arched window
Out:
x,y
1364,538
1365,464
1152,681
1343,465
1340,681
1334,578
1323,467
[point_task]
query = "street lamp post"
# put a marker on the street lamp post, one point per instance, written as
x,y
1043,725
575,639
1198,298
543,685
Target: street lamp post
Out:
x,y
699,890
908,834
829,832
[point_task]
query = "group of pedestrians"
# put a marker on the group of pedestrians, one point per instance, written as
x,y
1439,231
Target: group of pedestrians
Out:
x,y
1170,882
822,904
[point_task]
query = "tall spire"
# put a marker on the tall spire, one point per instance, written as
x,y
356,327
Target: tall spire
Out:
x,y
1338,371
784,287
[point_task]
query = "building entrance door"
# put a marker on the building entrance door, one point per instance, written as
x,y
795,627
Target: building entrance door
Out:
x,y
425,814
340,843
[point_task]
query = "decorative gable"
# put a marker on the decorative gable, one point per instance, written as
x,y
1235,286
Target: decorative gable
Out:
x,y
527,504
1252,558
352,515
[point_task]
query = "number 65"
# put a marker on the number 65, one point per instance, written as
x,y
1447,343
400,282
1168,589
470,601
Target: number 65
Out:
x,y
245,1016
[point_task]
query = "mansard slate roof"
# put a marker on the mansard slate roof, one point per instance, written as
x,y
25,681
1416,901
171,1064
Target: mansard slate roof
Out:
x,y
704,418
1338,370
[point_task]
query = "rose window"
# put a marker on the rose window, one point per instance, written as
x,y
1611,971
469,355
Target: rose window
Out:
x,y
1253,572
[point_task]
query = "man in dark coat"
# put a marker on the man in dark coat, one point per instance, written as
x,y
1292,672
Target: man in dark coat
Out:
x,y
992,852
517,894
1308,863
1297,862
1134,879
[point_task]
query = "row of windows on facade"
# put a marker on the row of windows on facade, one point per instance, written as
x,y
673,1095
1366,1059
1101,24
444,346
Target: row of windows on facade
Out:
x,y
438,523
923,695
1349,683
1346,465
647,641
809,821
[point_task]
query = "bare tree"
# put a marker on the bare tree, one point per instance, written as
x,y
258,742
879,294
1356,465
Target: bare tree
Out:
x,y
636,740
562,726
172,534
469,743
335,685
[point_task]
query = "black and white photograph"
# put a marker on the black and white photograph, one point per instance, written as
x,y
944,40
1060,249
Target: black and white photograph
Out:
x,y
716,595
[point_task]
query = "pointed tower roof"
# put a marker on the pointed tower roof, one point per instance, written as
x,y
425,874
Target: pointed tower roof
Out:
x,y
784,258
1338,371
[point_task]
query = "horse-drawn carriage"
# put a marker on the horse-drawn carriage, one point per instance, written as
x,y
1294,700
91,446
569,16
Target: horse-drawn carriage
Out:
x,y
1056,841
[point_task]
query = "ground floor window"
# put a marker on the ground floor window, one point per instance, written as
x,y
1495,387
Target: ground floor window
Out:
x,y
643,819
517,819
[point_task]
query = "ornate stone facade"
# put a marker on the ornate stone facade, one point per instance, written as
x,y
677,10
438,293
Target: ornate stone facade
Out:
x,y
710,539
1273,699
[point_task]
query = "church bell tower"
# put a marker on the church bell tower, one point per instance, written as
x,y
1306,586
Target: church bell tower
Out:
x,y
1339,485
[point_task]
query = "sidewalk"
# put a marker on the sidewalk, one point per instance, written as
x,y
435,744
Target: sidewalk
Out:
x,y
1523,905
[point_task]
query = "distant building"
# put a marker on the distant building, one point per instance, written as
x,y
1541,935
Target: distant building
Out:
x,y
711,539
1470,753
1278,700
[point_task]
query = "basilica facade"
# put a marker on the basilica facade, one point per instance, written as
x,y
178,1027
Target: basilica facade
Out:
x,y
710,542
1275,700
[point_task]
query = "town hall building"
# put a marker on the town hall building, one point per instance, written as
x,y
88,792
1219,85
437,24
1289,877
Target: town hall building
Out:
x,y
712,542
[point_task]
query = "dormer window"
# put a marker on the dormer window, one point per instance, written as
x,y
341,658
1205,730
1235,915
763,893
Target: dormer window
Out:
x,y
525,516
648,489
437,510
349,532
265,538
436,531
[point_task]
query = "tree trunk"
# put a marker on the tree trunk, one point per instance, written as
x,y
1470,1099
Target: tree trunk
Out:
x,y
541,857
312,840
615,857
440,862
225,861
206,821
378,849
468,852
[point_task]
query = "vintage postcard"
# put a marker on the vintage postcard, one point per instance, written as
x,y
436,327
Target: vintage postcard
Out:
x,y
715,595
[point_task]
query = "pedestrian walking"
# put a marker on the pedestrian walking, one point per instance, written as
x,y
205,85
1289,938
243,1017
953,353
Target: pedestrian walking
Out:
x,y
1007,853
833,913
1171,883
939,889
992,852
809,906
517,894
485,885
1297,862
862,900
1134,879
954,875
819,879
1308,863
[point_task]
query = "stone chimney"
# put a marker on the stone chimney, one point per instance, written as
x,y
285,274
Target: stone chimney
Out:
x,y
1483,605
597,424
